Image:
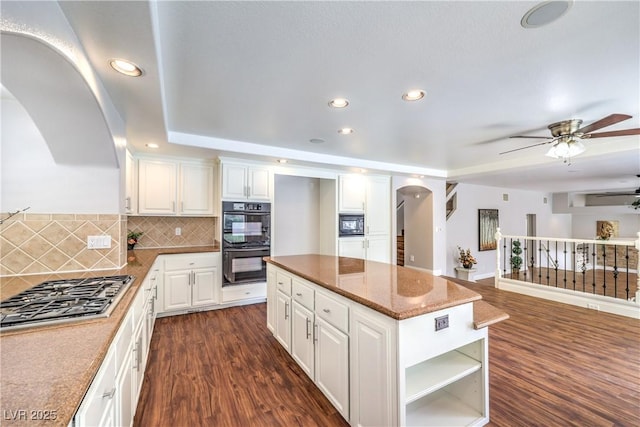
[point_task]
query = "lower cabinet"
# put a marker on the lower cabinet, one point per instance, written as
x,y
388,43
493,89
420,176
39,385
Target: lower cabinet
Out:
x,y
313,328
113,395
190,281
380,371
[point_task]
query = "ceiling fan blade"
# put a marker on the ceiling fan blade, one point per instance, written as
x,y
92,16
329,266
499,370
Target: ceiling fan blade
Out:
x,y
528,146
607,121
530,137
623,132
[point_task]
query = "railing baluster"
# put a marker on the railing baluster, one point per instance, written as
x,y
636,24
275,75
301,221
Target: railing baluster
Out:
x,y
595,266
627,260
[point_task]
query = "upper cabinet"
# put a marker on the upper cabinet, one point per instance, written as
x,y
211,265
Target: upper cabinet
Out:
x,y
245,182
131,187
171,187
352,189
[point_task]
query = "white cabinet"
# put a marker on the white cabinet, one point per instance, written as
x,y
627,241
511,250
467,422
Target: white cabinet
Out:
x,y
313,327
370,195
351,193
283,320
190,280
98,406
372,248
157,191
231,293
332,365
245,182
170,187
377,370
271,297
131,187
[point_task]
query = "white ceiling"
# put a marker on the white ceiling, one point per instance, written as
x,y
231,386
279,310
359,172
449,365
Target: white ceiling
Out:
x,y
257,77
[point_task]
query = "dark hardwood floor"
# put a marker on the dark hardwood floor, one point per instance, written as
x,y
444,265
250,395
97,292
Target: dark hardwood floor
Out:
x,y
551,364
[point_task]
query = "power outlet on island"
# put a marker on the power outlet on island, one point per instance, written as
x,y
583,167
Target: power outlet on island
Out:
x,y
442,322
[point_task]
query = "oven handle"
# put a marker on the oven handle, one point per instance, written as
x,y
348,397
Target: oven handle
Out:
x,y
258,249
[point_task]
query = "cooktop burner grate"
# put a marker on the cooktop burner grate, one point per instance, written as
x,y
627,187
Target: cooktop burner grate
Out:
x,y
61,300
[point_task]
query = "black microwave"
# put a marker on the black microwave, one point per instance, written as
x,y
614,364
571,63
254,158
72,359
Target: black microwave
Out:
x,y
351,225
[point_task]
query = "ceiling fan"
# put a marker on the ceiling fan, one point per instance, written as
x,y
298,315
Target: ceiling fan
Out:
x,y
566,135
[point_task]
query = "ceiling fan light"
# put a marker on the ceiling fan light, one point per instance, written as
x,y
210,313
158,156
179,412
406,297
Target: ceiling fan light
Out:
x,y
575,148
552,153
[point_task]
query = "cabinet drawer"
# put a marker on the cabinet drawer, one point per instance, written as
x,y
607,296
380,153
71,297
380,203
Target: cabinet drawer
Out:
x,y
240,292
283,282
303,293
190,261
334,312
99,398
123,339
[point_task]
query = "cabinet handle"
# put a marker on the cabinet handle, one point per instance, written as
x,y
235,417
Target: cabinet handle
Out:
x,y
135,353
286,310
109,394
247,293
127,203
155,296
280,283
308,331
298,294
367,229
326,310
315,332
181,206
173,206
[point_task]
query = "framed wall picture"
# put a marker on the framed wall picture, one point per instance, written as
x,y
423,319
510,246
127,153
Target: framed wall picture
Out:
x,y
487,227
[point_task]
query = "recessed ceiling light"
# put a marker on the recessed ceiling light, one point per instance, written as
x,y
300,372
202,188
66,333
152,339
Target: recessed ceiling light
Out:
x,y
363,171
151,145
338,103
282,160
316,140
345,131
545,13
413,95
125,67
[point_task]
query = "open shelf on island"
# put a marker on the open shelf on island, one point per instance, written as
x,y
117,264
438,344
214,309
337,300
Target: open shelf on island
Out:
x,y
442,409
433,374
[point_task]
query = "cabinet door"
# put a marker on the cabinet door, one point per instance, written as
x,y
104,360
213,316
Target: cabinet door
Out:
x,y
378,248
351,193
373,373
177,290
204,287
283,320
259,183
157,185
139,355
378,200
332,365
131,201
353,247
302,338
97,408
125,406
196,189
234,182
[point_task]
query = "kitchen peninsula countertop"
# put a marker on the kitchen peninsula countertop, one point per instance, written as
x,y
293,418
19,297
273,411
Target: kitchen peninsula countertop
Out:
x,y
395,291
50,368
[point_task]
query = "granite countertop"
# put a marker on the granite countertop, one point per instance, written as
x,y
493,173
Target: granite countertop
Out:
x,y
395,291
50,368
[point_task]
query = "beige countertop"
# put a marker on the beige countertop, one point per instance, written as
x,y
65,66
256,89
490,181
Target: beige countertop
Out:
x,y
395,291
50,368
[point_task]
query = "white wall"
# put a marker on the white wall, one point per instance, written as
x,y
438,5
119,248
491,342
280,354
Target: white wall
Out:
x,y
584,226
296,217
462,226
418,235
30,178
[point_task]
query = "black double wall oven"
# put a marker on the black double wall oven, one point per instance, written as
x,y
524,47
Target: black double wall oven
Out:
x,y
246,240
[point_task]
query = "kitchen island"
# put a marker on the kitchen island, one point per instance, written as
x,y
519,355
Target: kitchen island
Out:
x,y
387,345
45,371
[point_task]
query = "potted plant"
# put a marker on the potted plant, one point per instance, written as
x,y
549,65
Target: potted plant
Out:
x,y
516,259
132,238
466,259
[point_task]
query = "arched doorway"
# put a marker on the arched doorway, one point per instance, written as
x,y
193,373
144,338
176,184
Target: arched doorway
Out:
x,y
414,225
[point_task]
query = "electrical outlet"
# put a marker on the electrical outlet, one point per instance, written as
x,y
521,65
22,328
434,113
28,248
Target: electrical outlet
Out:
x,y
593,306
442,322
178,231
412,258
98,242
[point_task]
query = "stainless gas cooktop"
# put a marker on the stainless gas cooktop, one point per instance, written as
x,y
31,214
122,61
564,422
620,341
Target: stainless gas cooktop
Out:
x,y
60,301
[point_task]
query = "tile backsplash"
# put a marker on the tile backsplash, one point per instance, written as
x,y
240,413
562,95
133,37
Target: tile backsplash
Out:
x,y
45,243
160,231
